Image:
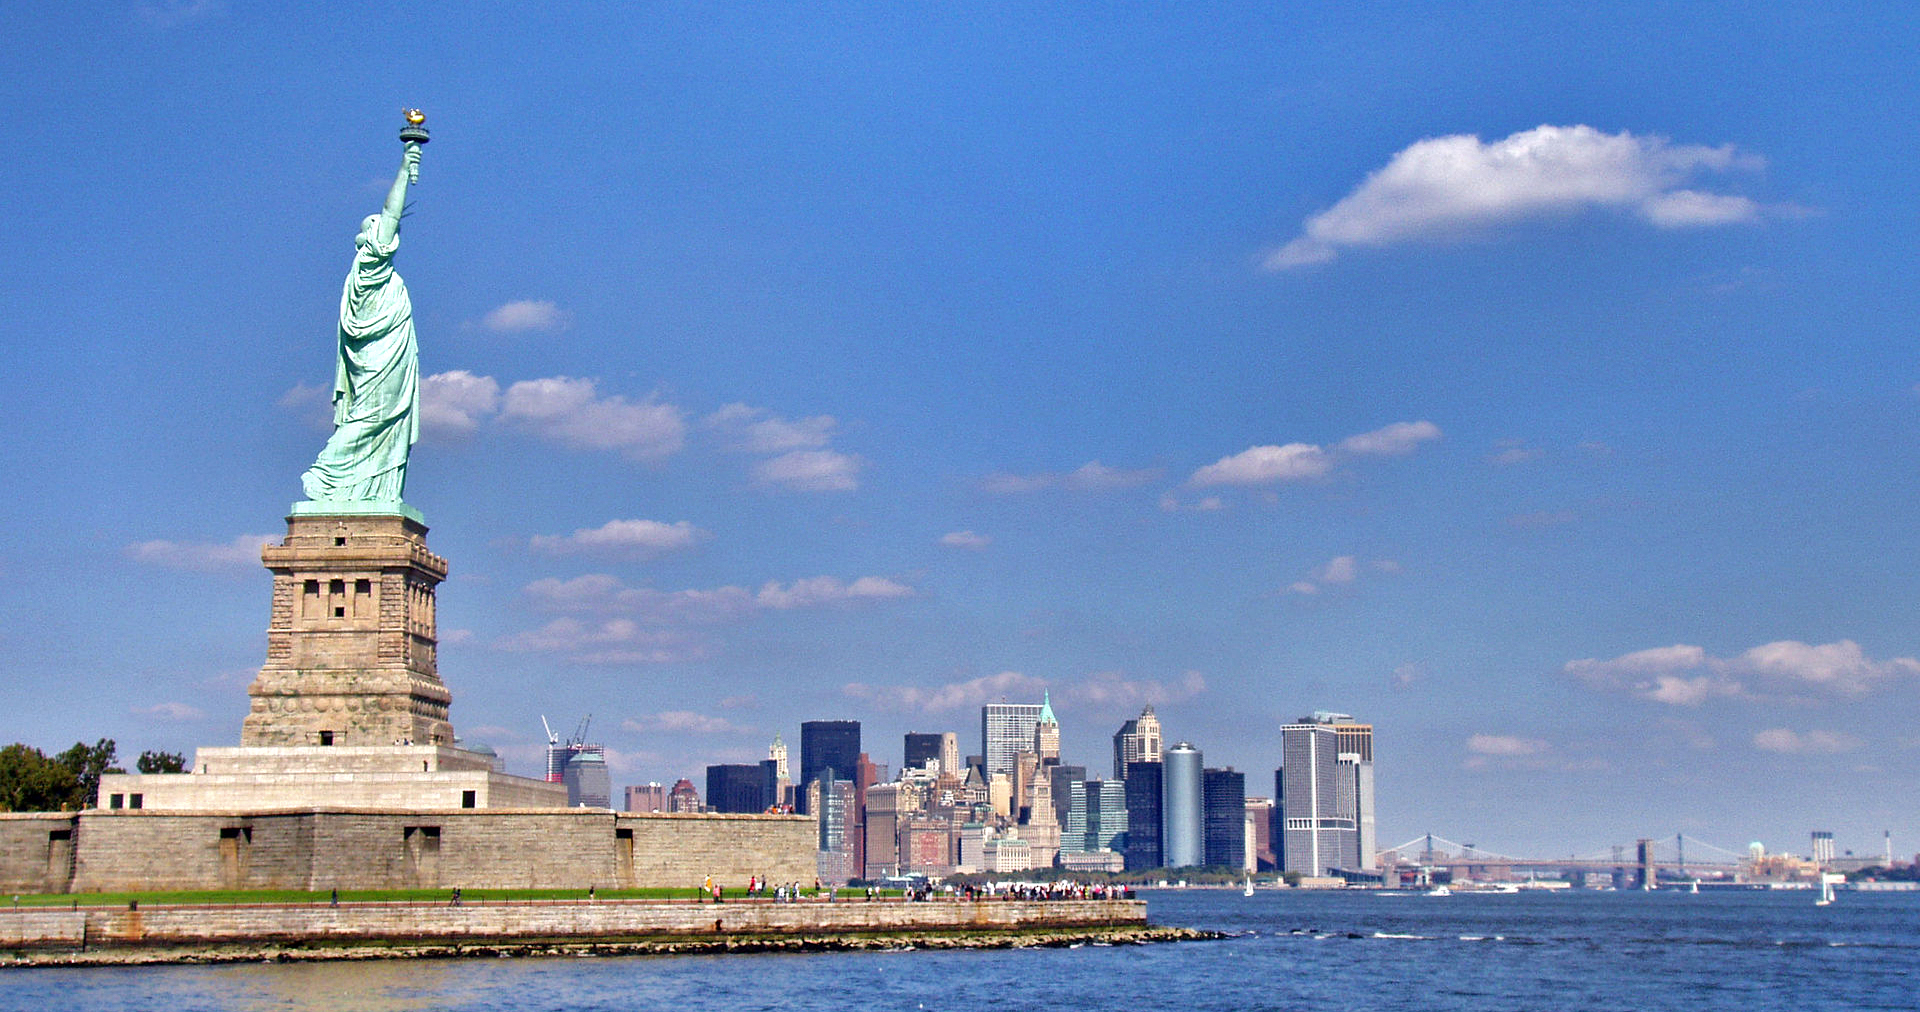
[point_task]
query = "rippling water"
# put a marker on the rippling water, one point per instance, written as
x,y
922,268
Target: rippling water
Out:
x,y
1754,952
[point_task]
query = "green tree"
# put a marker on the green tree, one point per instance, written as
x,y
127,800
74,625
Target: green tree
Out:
x,y
88,762
161,762
30,782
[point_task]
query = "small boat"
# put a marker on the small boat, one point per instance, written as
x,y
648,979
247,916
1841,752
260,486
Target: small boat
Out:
x,y
1827,881
1249,889
1439,891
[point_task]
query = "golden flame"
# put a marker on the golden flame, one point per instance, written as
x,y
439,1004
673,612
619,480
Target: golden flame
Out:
x,y
416,117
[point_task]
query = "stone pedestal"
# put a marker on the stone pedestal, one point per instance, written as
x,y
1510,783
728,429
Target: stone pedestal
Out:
x,y
352,640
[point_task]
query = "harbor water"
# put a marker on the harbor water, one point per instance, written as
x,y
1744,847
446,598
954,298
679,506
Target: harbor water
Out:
x,y
1644,952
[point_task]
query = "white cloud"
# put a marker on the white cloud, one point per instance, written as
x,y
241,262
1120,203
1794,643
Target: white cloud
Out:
x,y
965,539
1785,740
1091,476
811,471
1339,571
822,590
1444,186
951,696
169,711
1396,440
601,594
1262,465
755,430
643,538
612,641
1505,745
526,315
1112,691
242,552
1509,452
683,722
571,411
1406,675
1842,666
1686,675
455,402
1105,690
312,404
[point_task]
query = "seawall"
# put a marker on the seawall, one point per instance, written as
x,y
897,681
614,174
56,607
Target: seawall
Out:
x,y
369,930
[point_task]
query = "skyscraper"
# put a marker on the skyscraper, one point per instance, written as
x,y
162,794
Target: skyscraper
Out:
x,y
1046,732
737,787
1182,833
920,747
950,755
1225,803
1106,814
1355,746
1138,740
648,797
585,775
1006,730
1143,783
827,745
1320,796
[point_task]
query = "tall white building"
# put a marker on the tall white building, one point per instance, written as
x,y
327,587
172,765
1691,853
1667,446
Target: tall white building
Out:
x,y
1182,808
1006,730
1326,795
1137,741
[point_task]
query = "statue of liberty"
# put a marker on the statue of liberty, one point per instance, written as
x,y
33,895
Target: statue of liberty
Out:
x,y
376,379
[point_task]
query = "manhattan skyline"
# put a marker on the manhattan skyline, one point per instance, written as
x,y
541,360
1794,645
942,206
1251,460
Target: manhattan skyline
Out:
x,y
1537,385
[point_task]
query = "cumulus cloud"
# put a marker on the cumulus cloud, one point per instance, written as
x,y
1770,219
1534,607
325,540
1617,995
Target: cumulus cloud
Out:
x,y
951,696
1105,690
1445,186
965,539
1111,690
1340,571
169,711
644,538
1505,745
311,403
1685,675
756,430
1269,464
1264,465
811,471
456,402
1509,452
526,315
1396,440
572,412
242,553
609,641
1790,742
683,722
1091,476
601,594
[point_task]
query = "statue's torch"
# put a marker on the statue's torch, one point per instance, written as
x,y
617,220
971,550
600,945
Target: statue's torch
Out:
x,y
415,132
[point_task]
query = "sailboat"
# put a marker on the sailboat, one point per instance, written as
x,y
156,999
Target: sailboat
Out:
x,y
1249,890
1827,881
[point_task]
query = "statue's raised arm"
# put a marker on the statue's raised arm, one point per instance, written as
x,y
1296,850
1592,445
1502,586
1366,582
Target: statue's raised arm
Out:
x,y
376,385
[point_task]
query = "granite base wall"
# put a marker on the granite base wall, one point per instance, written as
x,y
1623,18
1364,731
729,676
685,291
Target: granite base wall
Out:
x,y
318,849
103,927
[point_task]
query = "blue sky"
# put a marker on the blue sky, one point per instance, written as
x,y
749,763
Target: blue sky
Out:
x,y
1537,383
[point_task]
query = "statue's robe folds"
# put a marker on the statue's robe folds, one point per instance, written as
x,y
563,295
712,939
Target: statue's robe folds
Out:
x,y
376,384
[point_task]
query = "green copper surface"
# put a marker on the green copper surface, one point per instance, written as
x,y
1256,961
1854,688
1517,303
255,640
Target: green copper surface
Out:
x,y
376,379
